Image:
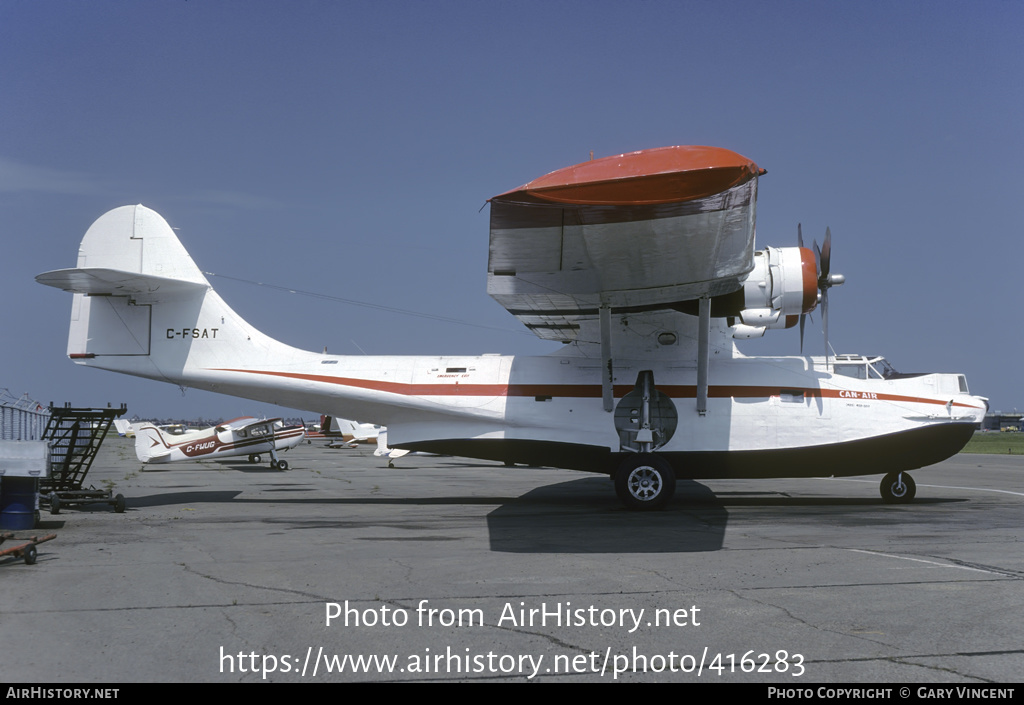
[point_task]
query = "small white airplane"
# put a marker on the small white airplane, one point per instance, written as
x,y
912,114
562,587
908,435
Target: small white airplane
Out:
x,y
346,433
353,432
124,428
242,436
643,265
342,433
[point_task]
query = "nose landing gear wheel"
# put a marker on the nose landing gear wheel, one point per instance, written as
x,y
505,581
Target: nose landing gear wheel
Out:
x,y
897,488
644,482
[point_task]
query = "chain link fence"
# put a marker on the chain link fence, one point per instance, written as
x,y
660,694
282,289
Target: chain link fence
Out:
x,y
21,418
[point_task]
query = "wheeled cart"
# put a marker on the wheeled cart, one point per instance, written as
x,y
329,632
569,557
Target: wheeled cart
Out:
x,y
25,550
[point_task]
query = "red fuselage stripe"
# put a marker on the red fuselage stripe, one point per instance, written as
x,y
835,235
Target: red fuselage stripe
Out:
x,y
586,391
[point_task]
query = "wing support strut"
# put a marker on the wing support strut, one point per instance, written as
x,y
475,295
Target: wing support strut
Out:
x,y
703,349
645,437
607,373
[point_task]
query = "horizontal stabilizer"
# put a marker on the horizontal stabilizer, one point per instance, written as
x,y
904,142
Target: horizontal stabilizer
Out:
x,y
96,281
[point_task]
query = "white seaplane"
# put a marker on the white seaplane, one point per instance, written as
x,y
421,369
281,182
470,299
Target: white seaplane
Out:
x,y
243,436
643,265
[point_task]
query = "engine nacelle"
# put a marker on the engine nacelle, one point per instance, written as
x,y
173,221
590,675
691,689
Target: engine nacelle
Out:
x,y
744,332
782,286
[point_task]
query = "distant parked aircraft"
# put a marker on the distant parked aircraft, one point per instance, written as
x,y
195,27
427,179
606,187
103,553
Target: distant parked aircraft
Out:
x,y
242,436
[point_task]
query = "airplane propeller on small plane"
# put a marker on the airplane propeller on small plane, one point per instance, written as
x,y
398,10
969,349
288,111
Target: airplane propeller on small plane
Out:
x,y
826,280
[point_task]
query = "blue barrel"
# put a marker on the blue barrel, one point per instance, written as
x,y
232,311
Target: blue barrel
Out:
x,y
18,502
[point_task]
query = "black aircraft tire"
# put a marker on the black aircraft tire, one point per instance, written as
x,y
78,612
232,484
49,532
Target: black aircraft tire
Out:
x,y
255,458
895,493
282,464
644,482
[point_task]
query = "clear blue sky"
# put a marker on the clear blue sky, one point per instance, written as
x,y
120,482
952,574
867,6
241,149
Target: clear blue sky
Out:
x,y
346,149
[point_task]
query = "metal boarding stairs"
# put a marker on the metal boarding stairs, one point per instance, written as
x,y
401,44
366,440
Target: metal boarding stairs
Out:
x,y
75,435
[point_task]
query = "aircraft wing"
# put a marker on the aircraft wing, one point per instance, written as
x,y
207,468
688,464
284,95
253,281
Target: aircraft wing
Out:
x,y
635,232
242,422
252,427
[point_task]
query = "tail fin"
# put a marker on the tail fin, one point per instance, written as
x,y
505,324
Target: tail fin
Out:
x,y
150,446
143,307
129,260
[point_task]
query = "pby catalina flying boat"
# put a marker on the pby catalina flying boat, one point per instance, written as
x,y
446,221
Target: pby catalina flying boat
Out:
x,y
243,436
642,265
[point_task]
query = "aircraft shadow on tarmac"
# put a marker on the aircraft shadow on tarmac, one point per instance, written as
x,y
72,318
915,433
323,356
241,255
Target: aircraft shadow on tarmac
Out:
x,y
165,499
584,516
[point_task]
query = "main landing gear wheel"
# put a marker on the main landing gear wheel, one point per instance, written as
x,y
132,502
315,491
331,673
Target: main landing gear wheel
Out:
x,y
897,488
279,464
644,482
255,458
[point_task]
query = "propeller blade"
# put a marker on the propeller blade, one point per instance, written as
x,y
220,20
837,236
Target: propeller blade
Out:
x,y
826,255
826,280
824,319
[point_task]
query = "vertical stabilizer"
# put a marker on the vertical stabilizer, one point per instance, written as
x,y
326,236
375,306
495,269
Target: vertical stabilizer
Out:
x,y
149,444
137,239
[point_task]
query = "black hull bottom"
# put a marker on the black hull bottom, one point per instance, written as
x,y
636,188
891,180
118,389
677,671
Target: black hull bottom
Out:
x,y
893,452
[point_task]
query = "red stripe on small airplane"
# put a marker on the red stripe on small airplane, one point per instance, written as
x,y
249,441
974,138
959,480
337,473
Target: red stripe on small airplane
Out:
x,y
586,391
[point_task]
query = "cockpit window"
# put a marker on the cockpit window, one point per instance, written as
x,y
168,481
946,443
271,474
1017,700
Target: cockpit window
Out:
x,y
877,368
881,369
858,371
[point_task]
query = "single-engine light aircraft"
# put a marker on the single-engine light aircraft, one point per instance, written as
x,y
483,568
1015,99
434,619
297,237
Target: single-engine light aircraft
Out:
x,y
351,433
242,436
643,266
343,433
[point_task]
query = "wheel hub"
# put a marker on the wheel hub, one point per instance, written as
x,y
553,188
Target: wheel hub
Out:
x,y
644,483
